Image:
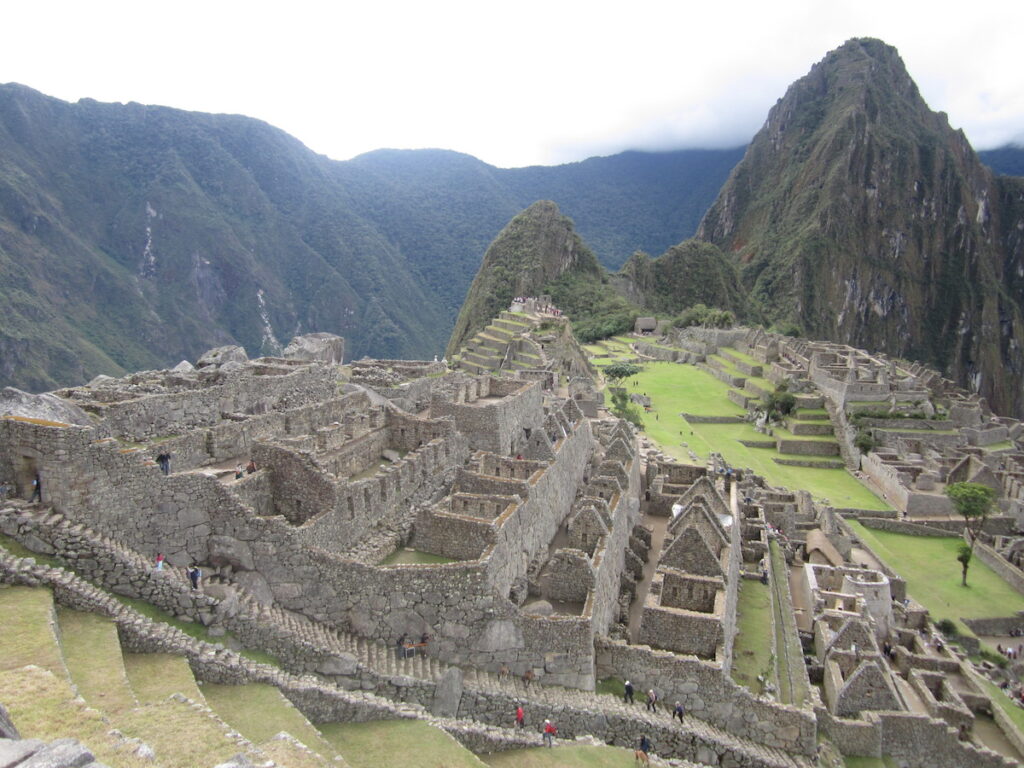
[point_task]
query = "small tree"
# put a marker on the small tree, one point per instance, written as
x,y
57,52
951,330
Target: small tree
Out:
x,y
963,556
616,372
973,501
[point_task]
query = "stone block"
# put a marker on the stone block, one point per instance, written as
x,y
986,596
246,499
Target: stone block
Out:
x,y
447,694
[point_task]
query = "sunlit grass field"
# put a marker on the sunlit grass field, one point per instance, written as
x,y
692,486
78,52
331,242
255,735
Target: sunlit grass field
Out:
x,y
676,389
932,573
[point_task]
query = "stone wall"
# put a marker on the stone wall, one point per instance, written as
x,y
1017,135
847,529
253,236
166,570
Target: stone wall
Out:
x,y
495,425
709,695
160,415
808,447
1006,570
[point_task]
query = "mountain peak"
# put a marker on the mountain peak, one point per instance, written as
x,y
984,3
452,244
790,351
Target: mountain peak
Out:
x,y
537,246
860,215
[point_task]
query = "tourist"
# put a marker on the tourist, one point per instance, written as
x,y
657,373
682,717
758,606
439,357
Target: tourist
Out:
x,y
37,489
678,711
520,716
642,754
628,696
400,645
194,575
160,561
238,472
164,460
250,467
5,490
550,731
652,701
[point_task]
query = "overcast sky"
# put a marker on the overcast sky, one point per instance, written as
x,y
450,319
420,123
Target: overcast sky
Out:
x,y
513,83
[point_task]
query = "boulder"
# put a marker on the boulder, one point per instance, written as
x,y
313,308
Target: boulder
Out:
x,y
45,407
183,367
7,729
221,355
447,694
342,664
321,347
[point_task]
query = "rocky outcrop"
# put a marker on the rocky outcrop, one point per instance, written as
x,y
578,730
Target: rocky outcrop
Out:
x,y
322,347
861,216
14,402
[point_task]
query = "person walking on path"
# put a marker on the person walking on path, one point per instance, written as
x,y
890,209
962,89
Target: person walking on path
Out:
x,y
678,712
628,696
550,731
643,751
37,489
652,701
194,575
520,717
160,561
400,645
164,460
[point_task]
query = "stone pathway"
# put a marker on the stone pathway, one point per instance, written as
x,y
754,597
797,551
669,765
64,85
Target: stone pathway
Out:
x,y
659,529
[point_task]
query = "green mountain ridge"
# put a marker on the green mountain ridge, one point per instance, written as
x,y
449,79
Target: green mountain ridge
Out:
x,y
134,236
860,215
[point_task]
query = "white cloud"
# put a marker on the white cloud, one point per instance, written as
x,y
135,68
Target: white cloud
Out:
x,y
513,83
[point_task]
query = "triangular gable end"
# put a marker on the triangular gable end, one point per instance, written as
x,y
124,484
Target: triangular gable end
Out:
x,y
689,552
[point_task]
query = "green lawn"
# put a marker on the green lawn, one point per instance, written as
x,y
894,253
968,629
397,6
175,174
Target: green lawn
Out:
x,y
752,650
259,711
568,756
1001,700
676,388
398,744
932,573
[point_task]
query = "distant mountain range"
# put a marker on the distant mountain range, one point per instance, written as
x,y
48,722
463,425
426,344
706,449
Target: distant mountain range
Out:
x,y
134,236
856,215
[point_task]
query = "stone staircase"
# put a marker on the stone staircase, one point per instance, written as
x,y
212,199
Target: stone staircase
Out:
x,y
503,345
296,639
22,685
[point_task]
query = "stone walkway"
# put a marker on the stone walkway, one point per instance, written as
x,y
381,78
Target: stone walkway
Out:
x,y
659,529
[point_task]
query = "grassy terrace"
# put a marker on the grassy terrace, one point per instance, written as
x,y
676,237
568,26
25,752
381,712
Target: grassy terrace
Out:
x,y
398,744
752,651
677,388
748,359
565,756
933,576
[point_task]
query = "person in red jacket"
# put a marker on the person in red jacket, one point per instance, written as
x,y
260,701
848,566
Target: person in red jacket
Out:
x,y
550,731
520,717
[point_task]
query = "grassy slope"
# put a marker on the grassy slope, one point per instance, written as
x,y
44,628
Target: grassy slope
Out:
x,y
569,756
685,388
753,647
92,653
259,712
397,744
155,676
44,706
28,635
932,573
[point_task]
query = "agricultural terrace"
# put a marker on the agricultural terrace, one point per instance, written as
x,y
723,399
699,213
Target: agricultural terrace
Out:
x,y
676,389
932,572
